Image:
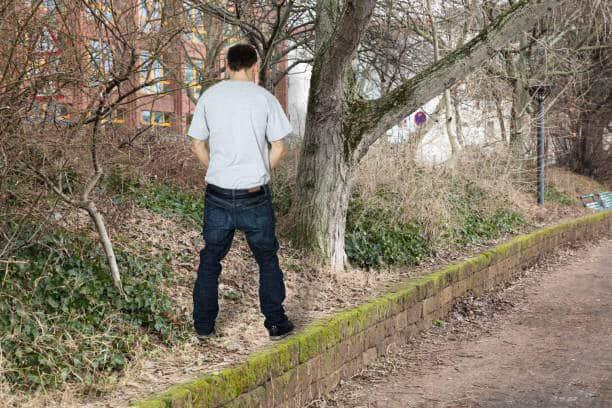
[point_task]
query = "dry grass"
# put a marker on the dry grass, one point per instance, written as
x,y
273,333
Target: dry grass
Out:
x,y
429,193
571,183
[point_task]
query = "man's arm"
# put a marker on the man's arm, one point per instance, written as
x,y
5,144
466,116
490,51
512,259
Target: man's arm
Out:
x,y
277,128
277,152
200,149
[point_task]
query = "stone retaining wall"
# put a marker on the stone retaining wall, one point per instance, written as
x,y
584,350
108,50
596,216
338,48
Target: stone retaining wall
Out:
x,y
304,366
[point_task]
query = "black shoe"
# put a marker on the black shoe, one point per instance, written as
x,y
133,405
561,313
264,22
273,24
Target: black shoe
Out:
x,y
280,331
207,335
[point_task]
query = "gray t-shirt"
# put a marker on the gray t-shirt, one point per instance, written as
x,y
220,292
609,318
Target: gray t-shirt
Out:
x,y
238,118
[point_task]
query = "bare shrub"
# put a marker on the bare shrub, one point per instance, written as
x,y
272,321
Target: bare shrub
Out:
x,y
429,193
571,183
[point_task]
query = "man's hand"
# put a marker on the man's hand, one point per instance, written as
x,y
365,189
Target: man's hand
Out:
x,y
200,149
277,152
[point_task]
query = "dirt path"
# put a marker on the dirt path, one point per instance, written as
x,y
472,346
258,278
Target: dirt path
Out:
x,y
544,342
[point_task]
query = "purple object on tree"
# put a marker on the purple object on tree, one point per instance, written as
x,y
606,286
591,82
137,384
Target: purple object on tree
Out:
x,y
420,118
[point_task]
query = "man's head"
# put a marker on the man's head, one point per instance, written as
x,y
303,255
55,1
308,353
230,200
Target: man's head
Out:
x,y
242,58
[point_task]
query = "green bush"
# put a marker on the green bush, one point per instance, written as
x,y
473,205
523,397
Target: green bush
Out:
x,y
282,198
62,320
374,237
166,200
282,184
171,201
556,196
476,227
477,215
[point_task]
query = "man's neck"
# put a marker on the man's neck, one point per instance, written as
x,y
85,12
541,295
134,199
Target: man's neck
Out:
x,y
239,76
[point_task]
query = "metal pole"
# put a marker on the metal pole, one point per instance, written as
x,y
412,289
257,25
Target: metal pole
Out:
x,y
541,152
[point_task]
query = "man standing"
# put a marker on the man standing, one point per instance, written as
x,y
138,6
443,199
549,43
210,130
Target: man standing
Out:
x,y
238,129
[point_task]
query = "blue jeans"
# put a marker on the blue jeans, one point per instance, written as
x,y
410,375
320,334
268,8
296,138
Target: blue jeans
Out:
x,y
223,214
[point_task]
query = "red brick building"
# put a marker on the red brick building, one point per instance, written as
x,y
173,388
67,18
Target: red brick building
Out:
x,y
166,103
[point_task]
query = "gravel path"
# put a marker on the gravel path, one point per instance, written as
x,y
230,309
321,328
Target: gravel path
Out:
x,y
545,341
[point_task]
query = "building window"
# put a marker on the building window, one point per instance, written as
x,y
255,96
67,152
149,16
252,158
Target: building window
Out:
x,y
51,112
195,21
47,6
42,72
116,116
222,66
193,72
100,61
231,34
155,118
45,42
62,114
45,65
100,9
150,14
152,71
145,117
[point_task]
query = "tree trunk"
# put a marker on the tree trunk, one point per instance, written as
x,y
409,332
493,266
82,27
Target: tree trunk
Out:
x,y
458,120
324,170
519,123
587,154
340,127
450,132
265,79
324,180
452,138
518,70
500,117
107,245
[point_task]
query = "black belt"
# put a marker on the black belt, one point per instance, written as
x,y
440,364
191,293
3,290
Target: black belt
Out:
x,y
235,193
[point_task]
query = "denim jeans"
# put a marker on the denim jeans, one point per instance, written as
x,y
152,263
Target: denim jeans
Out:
x,y
252,213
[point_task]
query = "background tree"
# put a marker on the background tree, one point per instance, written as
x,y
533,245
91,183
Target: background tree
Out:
x,y
275,29
341,125
580,64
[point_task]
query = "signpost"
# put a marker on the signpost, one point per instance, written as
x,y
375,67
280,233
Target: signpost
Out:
x,y
540,92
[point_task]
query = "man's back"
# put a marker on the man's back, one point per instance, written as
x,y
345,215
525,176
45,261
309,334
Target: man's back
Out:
x,y
238,118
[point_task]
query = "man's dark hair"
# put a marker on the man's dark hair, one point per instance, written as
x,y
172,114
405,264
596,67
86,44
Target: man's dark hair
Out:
x,y
241,56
